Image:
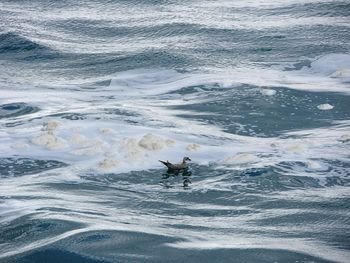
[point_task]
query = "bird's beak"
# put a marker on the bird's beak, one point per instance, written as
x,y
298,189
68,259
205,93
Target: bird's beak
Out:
x,y
189,159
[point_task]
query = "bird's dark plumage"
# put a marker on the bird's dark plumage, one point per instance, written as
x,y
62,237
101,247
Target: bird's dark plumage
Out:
x,y
177,167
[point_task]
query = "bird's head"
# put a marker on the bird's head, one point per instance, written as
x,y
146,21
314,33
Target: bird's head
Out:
x,y
186,159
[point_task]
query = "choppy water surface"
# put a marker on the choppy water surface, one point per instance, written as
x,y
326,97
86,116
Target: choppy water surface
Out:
x,y
94,93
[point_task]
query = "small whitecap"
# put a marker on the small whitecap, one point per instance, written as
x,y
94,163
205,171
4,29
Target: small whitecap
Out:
x,y
331,63
106,130
344,138
341,73
241,159
193,147
226,84
170,142
297,147
78,139
107,164
87,151
325,106
49,141
152,142
313,165
268,92
19,146
130,148
274,145
51,125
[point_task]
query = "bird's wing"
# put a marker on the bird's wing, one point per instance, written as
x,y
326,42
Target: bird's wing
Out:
x,y
178,166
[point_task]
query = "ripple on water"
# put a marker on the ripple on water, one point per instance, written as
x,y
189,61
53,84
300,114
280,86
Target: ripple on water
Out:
x,y
16,109
24,166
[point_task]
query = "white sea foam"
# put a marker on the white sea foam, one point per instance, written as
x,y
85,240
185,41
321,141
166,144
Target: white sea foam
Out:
x,y
138,148
193,147
241,159
112,143
342,74
336,64
49,141
325,106
153,143
311,164
108,163
161,132
268,92
344,138
51,125
19,146
327,73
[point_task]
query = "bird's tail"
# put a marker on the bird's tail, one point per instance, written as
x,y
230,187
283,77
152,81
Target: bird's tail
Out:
x,y
165,163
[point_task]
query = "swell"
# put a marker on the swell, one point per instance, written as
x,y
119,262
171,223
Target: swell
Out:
x,y
221,210
12,110
316,9
14,46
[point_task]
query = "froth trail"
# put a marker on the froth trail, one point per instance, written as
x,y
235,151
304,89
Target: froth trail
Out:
x,y
133,122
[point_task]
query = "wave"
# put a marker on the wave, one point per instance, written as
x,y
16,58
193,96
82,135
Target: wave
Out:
x,y
257,94
15,46
328,73
240,213
313,9
146,113
16,109
25,166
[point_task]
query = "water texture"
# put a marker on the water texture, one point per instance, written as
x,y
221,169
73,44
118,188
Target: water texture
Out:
x,y
94,93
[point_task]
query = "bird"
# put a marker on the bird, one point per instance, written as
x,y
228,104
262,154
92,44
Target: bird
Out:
x,y
177,167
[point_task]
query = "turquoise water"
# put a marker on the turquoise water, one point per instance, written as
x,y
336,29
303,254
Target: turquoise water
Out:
x,y
94,93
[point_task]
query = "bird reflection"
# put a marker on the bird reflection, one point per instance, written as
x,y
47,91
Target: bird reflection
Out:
x,y
169,178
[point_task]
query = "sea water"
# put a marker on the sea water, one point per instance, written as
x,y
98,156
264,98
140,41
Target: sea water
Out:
x,y
94,93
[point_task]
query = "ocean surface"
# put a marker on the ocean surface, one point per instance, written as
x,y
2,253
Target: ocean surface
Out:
x,y
94,92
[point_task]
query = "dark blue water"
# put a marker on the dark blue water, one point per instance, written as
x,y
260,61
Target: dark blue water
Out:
x,y
94,93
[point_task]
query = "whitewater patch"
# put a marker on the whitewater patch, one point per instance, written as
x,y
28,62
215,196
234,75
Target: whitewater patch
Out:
x,y
334,65
325,106
153,128
326,74
130,148
49,141
268,92
193,147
